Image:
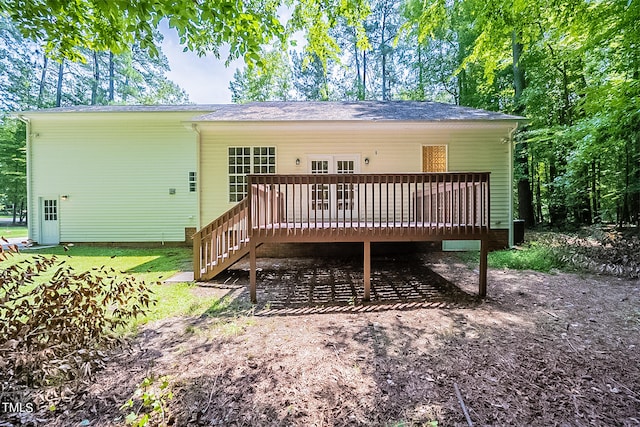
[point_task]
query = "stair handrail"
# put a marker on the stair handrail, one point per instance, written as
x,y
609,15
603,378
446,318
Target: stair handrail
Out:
x,y
229,220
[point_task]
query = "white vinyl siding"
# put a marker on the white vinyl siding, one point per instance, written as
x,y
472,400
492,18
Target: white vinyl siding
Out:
x,y
390,148
118,171
129,177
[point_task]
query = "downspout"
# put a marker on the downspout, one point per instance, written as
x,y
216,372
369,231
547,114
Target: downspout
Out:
x,y
511,132
195,128
30,207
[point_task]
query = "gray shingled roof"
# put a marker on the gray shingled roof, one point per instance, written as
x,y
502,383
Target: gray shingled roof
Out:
x,y
350,111
305,111
196,108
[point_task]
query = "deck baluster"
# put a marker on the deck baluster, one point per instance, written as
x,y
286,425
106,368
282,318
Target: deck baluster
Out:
x,y
284,208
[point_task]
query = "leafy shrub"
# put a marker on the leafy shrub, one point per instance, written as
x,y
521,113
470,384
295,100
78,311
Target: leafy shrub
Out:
x,y
149,402
52,330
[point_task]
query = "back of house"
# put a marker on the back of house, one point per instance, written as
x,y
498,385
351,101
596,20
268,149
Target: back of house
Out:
x,y
159,173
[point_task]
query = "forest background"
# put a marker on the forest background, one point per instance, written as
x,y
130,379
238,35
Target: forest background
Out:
x,y
571,68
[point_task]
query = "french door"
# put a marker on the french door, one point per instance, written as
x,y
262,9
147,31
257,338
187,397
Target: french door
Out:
x,y
333,201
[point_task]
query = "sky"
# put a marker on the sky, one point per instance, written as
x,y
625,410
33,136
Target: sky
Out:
x,y
205,79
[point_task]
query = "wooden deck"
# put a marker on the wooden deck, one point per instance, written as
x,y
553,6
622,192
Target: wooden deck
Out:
x,y
347,208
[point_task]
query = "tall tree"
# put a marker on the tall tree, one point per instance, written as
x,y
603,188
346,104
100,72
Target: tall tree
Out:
x,y
112,77
13,183
31,80
311,78
270,82
59,84
203,26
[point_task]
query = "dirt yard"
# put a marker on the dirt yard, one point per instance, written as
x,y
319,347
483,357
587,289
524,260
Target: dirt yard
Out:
x,y
542,349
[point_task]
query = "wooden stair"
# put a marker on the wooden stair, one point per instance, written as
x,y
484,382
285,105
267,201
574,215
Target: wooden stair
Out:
x,y
221,243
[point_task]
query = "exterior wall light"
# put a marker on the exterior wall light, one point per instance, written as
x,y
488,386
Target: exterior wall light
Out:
x,y
366,160
297,162
64,197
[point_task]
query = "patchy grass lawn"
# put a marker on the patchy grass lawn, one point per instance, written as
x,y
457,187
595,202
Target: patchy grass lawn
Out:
x,y
531,256
152,265
541,349
10,231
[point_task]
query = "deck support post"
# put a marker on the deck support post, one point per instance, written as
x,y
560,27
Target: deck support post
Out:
x,y
252,272
197,245
482,289
367,271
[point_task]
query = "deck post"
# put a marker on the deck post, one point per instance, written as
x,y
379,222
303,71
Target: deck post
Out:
x,y
482,290
252,272
367,270
197,248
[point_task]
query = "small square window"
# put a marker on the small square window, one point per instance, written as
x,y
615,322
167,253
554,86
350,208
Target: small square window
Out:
x,y
193,183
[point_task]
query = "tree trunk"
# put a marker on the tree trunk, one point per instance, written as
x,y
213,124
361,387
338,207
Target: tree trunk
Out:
x,y
112,77
594,192
636,192
420,73
461,87
59,87
383,52
23,218
96,79
557,204
567,114
358,75
356,55
364,75
518,73
585,214
539,200
525,195
626,217
43,78
384,75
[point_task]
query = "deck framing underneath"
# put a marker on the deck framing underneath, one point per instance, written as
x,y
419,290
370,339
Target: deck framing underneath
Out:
x,y
365,235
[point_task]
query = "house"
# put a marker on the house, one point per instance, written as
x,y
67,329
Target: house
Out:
x,y
410,170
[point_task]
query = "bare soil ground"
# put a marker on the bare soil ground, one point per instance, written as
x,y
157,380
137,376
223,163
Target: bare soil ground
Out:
x,y
542,349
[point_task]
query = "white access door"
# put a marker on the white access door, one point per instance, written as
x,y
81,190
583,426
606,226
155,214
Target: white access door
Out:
x,y
49,221
333,201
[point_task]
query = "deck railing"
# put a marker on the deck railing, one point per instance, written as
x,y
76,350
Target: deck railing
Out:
x,y
221,241
326,206
346,207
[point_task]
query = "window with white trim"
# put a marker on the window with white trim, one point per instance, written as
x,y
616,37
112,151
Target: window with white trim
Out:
x,y
244,161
